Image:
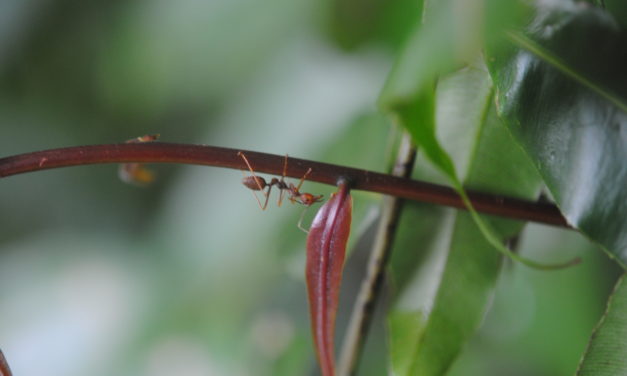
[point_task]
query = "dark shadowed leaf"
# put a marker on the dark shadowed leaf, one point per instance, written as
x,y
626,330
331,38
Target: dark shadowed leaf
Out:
x,y
618,8
564,96
326,248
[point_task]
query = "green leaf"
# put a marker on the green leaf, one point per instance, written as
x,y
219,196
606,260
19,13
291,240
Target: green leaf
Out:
x,y
428,52
418,117
443,300
564,97
607,351
465,287
409,93
353,24
451,34
618,8
405,329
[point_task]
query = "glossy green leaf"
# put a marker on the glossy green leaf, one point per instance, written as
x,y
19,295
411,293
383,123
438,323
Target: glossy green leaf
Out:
x,y
442,302
564,97
409,93
607,351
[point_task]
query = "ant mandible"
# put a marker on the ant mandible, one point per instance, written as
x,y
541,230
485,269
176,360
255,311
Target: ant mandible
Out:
x,y
256,183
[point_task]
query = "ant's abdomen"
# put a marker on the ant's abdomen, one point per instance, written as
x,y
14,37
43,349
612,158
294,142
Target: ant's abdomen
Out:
x,y
254,182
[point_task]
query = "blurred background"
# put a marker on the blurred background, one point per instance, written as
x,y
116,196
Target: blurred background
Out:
x,y
188,276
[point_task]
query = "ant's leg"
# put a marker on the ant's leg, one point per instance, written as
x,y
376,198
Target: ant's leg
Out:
x,y
282,181
257,181
267,194
284,167
252,172
300,221
302,180
280,197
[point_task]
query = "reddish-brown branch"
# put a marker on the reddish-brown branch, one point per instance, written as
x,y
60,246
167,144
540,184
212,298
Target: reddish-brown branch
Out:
x,y
160,152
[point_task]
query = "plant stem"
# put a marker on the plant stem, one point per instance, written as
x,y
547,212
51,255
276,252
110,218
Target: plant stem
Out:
x,y
370,289
160,152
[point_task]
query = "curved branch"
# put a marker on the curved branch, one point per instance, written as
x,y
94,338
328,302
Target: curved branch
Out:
x,y
161,152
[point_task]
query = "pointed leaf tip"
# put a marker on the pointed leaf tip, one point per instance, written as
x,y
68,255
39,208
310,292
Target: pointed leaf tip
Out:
x,y
4,366
326,247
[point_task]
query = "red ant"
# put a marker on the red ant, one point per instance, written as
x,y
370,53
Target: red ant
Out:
x,y
137,173
256,183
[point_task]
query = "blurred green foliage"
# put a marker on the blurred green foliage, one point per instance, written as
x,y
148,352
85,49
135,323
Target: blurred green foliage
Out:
x,y
188,276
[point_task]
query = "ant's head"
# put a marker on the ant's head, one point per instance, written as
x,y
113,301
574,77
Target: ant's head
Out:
x,y
308,199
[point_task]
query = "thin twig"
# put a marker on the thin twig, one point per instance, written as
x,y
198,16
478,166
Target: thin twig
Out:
x,y
160,152
369,292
